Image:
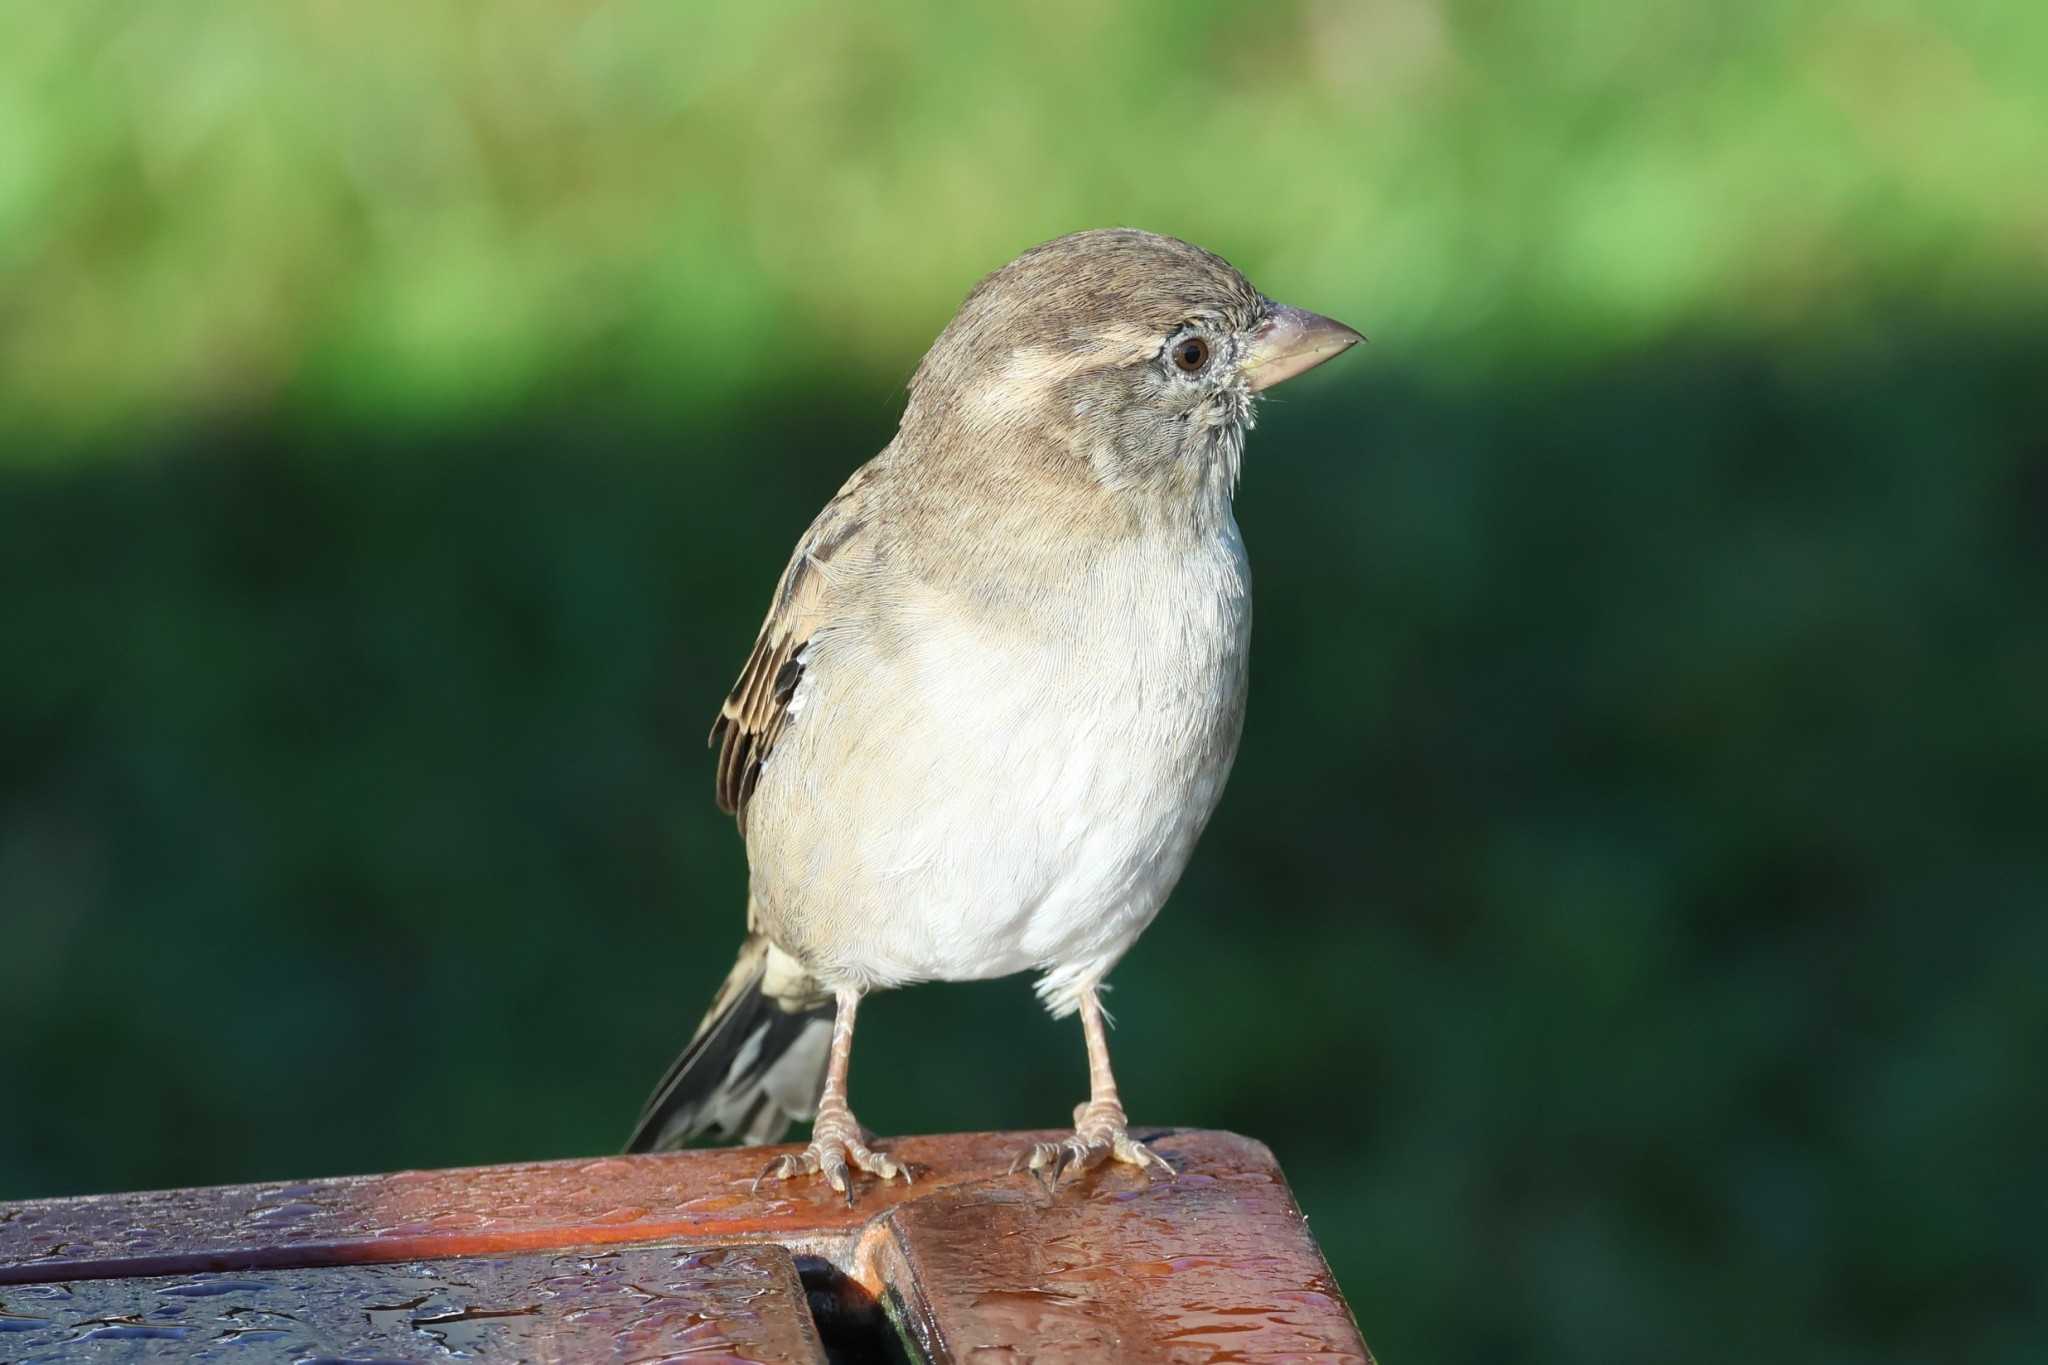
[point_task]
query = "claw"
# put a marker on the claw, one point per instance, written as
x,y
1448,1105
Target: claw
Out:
x,y
1147,1158
781,1168
1100,1134
835,1152
1034,1159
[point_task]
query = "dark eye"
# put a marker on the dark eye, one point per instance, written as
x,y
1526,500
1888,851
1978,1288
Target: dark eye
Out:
x,y
1191,353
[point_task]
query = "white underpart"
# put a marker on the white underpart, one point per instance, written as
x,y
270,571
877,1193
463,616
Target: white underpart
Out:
x,y
1013,800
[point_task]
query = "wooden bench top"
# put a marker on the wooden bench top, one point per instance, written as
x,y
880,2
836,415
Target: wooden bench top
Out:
x,y
648,1258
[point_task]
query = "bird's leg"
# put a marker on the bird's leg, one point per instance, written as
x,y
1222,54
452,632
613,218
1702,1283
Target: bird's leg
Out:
x,y
836,1137
1100,1128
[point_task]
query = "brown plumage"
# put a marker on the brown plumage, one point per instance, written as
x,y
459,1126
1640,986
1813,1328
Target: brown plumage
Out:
x,y
1000,682
757,708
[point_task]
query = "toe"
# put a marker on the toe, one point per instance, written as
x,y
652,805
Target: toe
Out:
x,y
1077,1154
1100,1134
1136,1153
1037,1159
1052,1162
781,1168
878,1164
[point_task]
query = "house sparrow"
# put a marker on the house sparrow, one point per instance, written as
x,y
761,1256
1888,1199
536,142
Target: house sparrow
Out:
x,y
999,686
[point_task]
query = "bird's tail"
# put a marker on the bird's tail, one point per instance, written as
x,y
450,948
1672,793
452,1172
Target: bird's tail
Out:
x,y
756,1064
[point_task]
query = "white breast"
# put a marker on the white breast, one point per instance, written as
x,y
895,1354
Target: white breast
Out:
x,y
1017,799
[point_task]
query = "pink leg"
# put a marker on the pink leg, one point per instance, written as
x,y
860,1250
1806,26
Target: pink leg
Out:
x,y
836,1138
1101,1130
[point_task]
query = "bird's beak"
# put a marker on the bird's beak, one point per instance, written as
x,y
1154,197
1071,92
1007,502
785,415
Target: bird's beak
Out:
x,y
1292,341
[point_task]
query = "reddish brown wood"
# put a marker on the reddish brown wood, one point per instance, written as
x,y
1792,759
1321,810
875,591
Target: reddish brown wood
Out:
x,y
697,1197
724,1303
1215,1263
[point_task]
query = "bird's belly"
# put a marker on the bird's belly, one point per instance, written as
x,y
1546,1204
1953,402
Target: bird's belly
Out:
x,y
1055,845
1069,852
1017,804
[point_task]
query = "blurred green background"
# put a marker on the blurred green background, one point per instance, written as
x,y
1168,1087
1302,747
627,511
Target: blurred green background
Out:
x,y
1625,921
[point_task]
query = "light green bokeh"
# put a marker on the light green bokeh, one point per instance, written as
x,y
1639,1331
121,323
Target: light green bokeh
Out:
x,y
429,212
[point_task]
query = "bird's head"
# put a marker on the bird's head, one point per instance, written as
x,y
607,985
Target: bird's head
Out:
x,y
1139,355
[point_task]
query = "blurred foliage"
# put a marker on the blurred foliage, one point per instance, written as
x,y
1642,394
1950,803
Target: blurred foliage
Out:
x,y
1625,921
397,210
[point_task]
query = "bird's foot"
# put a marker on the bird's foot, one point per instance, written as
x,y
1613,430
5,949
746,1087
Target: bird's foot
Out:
x,y
1100,1133
837,1141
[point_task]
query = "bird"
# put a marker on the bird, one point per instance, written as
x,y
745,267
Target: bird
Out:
x,y
998,689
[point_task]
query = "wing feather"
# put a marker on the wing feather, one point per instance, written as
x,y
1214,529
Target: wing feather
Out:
x,y
757,710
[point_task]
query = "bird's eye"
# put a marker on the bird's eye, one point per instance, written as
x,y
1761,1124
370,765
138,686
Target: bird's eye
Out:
x,y
1190,354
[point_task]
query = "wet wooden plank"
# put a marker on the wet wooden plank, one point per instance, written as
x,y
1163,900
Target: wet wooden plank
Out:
x,y
1216,1264
728,1303
700,1196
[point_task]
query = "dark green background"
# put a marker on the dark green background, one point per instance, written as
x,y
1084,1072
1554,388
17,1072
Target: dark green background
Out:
x,y
1625,921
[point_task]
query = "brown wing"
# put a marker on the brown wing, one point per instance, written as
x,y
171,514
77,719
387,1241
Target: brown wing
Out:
x,y
756,711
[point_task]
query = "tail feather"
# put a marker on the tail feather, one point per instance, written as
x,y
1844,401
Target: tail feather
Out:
x,y
756,1063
